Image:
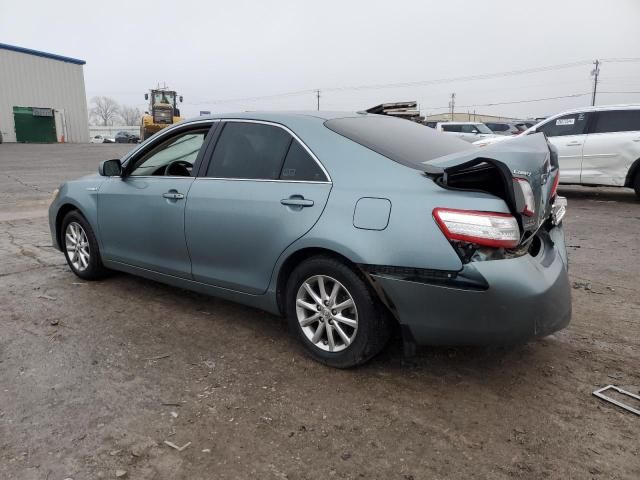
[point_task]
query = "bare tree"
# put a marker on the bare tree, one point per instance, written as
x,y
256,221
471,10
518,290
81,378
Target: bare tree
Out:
x,y
130,115
105,110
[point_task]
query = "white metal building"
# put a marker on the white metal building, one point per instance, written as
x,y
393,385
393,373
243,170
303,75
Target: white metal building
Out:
x,y
42,97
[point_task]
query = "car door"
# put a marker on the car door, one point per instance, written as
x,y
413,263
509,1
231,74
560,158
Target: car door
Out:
x,y
611,147
141,215
568,133
261,190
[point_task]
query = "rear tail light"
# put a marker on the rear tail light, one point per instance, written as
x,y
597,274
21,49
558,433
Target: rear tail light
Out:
x,y
529,200
554,187
489,229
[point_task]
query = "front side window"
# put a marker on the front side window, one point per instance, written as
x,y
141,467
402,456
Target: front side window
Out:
x,y
468,129
451,128
249,151
572,124
173,157
617,121
300,166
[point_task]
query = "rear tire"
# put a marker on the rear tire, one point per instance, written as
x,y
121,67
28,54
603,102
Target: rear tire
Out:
x,y
80,247
334,314
636,184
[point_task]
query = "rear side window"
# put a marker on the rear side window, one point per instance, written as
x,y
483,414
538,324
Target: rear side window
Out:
x,y
402,141
249,150
617,121
572,124
299,165
498,127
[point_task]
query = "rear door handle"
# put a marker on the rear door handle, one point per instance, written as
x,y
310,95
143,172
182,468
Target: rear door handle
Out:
x,y
574,144
297,202
173,195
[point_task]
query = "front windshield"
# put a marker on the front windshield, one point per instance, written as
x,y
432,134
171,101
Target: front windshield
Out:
x,y
164,97
482,128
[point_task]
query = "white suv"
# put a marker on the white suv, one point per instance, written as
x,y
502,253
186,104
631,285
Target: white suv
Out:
x,y
469,131
596,145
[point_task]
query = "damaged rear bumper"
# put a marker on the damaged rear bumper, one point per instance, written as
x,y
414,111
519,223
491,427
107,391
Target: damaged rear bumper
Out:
x,y
522,298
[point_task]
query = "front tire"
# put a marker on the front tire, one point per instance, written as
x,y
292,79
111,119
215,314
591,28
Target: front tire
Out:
x,y
334,314
81,247
636,184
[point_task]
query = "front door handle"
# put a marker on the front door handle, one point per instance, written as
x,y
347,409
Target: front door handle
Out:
x,y
173,195
574,144
297,201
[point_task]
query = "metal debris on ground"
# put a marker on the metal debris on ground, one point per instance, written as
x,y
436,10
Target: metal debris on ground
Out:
x,y
54,322
47,297
121,473
599,393
173,445
158,357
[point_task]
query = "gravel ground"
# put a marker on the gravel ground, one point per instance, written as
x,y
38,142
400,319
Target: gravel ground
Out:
x,y
95,377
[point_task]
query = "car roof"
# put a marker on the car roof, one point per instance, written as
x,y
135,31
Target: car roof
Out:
x,y
459,123
599,108
276,116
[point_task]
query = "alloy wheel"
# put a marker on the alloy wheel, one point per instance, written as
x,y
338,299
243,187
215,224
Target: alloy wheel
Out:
x,y
326,313
77,246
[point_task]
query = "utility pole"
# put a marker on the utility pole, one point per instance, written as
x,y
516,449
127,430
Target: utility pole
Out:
x,y
594,73
452,104
318,98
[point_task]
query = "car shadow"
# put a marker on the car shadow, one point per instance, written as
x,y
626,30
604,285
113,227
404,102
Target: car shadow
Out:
x,y
429,364
602,194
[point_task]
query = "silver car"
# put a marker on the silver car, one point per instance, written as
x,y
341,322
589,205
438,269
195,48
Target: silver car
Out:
x,y
351,225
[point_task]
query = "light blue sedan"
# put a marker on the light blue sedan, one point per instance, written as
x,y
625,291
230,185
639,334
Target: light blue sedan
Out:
x,y
351,225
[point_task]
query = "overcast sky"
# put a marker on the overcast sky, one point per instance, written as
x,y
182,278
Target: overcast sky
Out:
x,y
216,51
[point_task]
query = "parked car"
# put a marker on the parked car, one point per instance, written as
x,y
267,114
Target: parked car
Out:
x,y
524,124
468,131
348,224
503,128
126,137
101,139
596,145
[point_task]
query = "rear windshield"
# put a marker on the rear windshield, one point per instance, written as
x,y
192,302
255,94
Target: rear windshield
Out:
x,y
402,141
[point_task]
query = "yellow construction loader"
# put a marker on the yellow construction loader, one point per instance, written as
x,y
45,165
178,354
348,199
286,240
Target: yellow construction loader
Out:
x,y
163,111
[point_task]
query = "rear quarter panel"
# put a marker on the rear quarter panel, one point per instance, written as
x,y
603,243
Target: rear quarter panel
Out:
x,y
607,157
411,238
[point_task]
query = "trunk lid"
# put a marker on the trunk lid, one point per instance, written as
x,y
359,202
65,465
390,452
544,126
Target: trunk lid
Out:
x,y
497,169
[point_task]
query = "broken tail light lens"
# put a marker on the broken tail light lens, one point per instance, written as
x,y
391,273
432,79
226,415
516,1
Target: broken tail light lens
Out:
x,y
490,229
529,200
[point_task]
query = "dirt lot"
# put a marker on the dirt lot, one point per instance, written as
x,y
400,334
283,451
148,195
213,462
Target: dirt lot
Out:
x,y
84,391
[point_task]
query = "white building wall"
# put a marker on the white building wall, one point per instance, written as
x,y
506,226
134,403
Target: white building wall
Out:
x,y
33,81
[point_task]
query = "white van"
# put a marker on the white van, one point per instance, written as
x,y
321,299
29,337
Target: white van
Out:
x,y
596,145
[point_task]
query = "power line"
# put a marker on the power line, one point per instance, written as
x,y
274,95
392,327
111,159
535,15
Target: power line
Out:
x,y
466,78
573,95
437,81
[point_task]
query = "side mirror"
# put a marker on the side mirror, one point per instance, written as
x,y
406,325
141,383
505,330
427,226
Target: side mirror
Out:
x,y
180,98
146,96
110,168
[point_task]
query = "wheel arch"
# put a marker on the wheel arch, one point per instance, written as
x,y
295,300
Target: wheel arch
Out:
x,y
295,259
299,256
633,172
62,212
